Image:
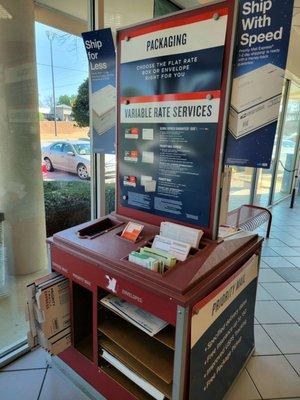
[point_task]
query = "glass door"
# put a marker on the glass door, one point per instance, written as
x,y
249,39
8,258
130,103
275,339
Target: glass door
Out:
x,y
289,145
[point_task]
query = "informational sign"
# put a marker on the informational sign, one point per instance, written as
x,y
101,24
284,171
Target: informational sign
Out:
x,y
101,56
222,334
263,41
170,80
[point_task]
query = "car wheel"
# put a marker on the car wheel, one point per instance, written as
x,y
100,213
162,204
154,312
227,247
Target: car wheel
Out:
x,y
82,171
48,164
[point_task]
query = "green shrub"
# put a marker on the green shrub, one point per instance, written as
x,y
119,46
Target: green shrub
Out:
x,y
69,203
110,194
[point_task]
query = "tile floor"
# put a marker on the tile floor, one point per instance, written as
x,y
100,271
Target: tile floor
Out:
x,y
274,370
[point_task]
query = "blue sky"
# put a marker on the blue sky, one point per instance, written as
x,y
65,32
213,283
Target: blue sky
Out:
x,y
69,60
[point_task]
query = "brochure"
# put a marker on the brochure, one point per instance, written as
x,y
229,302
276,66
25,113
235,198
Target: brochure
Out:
x,y
132,231
135,315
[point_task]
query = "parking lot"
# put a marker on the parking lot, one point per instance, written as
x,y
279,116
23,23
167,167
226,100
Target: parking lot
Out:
x,y
59,176
67,176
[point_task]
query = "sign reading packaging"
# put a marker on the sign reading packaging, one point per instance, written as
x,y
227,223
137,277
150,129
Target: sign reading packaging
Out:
x,y
222,335
101,56
170,79
263,40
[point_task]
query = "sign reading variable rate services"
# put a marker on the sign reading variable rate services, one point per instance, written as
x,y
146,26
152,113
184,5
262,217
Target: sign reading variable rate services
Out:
x,y
170,89
261,54
101,56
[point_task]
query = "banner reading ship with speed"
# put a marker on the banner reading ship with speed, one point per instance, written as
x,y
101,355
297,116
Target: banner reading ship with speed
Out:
x,y
170,81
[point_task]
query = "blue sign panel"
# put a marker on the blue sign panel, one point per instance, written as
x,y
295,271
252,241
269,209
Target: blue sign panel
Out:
x,y
222,334
170,90
263,40
102,61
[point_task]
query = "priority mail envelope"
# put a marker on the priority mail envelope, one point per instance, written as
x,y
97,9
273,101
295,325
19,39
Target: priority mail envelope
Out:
x,y
104,109
255,99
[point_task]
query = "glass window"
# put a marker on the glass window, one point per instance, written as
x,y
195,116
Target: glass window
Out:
x,y
57,147
162,7
288,150
82,148
68,148
64,116
240,189
118,14
34,114
264,180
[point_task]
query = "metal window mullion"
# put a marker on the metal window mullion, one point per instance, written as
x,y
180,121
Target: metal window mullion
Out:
x,y
281,121
181,342
296,164
96,21
253,188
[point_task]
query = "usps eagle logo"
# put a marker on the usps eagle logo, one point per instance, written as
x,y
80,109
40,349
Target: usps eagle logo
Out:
x,y
112,284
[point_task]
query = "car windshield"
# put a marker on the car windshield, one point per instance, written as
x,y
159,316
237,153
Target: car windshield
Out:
x,y
82,148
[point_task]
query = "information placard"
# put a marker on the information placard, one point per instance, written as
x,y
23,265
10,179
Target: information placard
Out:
x,y
172,87
261,54
101,55
222,334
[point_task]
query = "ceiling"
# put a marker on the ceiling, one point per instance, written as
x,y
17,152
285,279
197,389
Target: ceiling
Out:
x,y
296,18
117,13
121,13
75,8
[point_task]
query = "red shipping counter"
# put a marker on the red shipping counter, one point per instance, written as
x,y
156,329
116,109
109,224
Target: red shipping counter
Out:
x,y
190,297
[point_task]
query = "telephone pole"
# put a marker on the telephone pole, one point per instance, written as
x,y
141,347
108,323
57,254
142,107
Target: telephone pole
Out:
x,y
51,37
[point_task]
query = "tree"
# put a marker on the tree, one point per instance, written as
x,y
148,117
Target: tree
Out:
x,y
80,107
66,99
48,101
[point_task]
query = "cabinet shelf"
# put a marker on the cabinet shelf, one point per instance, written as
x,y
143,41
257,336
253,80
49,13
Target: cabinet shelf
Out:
x,y
148,351
166,336
122,380
133,364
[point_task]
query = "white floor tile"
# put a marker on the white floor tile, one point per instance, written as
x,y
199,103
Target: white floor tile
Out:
x,y
293,308
23,385
274,377
243,389
264,345
294,359
268,275
282,291
262,294
270,312
285,336
277,262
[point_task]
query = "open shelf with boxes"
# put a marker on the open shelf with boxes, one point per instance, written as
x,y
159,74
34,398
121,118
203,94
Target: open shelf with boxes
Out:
x,y
125,345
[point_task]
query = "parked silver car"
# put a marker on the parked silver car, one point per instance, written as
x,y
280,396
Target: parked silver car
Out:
x,y
68,155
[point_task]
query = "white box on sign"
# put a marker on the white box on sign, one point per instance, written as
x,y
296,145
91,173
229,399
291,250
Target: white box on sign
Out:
x,y
255,99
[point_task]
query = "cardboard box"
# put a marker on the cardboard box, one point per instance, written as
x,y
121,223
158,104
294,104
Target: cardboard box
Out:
x,y
52,307
57,343
255,99
48,312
